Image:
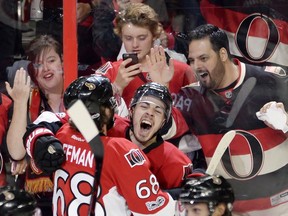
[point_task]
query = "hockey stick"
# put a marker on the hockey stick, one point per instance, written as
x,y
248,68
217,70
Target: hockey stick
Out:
x,y
84,123
219,151
240,99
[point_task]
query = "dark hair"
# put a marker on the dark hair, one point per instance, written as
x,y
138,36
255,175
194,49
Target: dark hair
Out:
x,y
218,38
40,43
37,46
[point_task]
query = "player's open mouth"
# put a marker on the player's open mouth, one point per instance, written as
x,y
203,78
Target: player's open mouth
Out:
x,y
145,125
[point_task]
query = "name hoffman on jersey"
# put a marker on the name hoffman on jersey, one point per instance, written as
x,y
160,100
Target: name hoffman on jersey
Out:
x,y
78,155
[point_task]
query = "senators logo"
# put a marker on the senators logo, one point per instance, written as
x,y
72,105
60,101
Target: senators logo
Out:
x,y
135,157
90,86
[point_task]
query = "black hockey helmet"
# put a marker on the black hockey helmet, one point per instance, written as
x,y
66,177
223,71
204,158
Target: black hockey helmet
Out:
x,y
156,90
94,91
207,189
16,202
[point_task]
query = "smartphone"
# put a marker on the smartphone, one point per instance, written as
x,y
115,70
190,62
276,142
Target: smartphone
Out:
x,y
130,55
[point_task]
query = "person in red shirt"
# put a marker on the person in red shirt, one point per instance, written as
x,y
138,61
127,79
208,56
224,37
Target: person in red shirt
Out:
x,y
13,201
126,183
138,27
29,100
150,110
5,104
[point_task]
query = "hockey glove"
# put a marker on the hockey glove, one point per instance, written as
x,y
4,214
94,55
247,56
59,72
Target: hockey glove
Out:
x,y
48,153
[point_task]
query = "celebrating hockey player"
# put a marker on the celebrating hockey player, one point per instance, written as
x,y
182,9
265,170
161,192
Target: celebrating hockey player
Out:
x,y
126,183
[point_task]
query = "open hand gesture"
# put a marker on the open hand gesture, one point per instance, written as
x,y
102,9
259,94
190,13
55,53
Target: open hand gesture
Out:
x,y
158,69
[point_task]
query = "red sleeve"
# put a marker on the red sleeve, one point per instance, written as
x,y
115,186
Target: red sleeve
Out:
x,y
120,127
110,70
5,105
135,182
183,76
189,75
171,171
181,126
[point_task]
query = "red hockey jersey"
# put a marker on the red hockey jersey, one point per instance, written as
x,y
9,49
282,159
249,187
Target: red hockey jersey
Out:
x,y
168,163
126,185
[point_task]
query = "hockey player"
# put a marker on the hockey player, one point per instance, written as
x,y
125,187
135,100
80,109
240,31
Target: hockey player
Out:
x,y
227,98
207,196
17,202
126,183
150,110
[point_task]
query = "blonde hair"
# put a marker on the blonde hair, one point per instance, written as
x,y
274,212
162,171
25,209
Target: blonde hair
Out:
x,y
141,15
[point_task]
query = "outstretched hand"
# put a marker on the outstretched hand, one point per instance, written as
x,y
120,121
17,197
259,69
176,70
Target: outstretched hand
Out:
x,y
21,87
157,67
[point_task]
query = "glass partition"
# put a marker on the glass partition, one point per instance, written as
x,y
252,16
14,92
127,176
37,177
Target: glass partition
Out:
x,y
257,30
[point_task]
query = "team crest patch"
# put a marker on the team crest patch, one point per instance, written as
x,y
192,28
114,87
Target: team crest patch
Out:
x,y
104,68
187,170
155,204
135,157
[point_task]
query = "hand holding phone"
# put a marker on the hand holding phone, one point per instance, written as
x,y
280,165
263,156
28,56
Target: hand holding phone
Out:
x,y
133,56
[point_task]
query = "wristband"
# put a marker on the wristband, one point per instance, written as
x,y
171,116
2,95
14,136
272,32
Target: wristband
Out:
x,y
31,139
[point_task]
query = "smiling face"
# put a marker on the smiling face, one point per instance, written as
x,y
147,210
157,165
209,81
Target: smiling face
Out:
x,y
206,63
48,71
148,117
137,39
